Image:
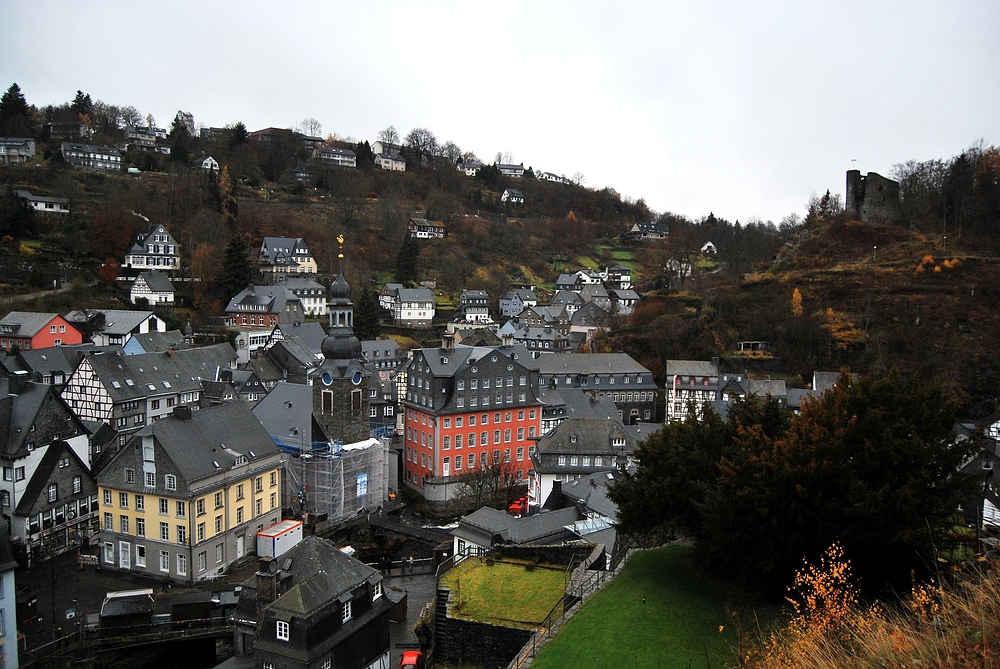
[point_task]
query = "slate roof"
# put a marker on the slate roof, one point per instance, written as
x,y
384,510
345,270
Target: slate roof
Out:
x,y
310,335
579,403
27,323
158,282
55,359
116,321
25,195
286,413
151,342
692,368
18,412
593,437
523,293
567,297
318,573
40,478
129,377
280,250
589,363
592,492
272,298
140,602
487,523
624,294
590,315
218,433
379,349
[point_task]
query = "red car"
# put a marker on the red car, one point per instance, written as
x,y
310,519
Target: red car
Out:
x,y
412,659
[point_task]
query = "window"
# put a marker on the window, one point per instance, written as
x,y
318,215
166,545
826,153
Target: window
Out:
x,y
218,524
346,612
520,453
170,481
164,506
123,500
496,436
201,531
496,457
181,509
472,440
447,442
506,436
109,552
273,500
109,522
123,524
218,499
377,590
182,564
150,480
164,532
200,507
257,507
447,422
218,553
520,434
562,461
239,515
19,474
274,479
239,492
260,483
458,441
282,632
129,476
140,502
107,498
140,527
53,495
140,556
202,561
181,534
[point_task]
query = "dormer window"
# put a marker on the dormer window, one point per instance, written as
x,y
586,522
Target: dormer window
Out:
x,y
346,611
282,631
377,590
572,438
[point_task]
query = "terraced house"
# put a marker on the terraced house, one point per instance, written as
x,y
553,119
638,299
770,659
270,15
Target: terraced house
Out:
x,y
186,495
129,392
466,408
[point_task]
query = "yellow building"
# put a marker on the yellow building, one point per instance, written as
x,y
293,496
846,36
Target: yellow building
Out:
x,y
186,495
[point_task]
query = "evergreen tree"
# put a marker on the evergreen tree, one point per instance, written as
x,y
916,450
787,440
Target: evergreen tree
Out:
x,y
82,104
227,198
15,114
406,261
238,135
17,218
236,270
366,313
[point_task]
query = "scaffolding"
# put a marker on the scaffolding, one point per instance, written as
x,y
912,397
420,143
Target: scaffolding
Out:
x,y
335,482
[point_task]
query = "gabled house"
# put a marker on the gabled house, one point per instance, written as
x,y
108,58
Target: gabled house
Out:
x,y
617,277
568,300
314,607
383,356
93,157
51,366
28,330
646,232
154,248
310,335
597,294
47,487
206,164
311,293
616,376
113,327
129,392
516,171
623,301
540,340
153,342
513,302
578,447
285,255
474,306
470,167
414,307
554,178
394,163
488,528
588,319
263,307
154,287
16,150
421,228
187,495
512,196
335,156
708,248
691,382
571,282
467,407
45,205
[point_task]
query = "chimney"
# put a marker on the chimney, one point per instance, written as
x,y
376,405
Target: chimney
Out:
x,y
507,340
715,364
268,582
182,412
447,341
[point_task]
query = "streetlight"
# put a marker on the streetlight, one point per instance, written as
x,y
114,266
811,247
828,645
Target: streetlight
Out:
x,y
874,253
946,244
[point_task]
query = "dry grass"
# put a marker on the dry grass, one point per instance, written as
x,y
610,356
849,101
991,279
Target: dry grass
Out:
x,y
956,626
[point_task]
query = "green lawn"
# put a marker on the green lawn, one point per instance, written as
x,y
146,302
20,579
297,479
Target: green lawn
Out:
x,y
677,627
505,592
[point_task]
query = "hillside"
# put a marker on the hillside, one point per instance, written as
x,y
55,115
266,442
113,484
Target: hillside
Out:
x,y
872,298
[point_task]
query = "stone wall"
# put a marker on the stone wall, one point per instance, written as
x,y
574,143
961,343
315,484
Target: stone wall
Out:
x,y
873,198
479,644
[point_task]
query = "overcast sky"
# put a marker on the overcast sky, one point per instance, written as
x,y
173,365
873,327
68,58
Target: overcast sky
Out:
x,y
739,108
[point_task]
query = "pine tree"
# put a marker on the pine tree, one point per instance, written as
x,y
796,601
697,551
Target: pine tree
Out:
x,y
15,114
366,315
236,270
406,261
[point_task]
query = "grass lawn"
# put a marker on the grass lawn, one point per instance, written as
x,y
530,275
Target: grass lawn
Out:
x,y
677,627
504,592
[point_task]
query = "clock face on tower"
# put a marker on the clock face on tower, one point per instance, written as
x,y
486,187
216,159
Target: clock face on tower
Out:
x,y
327,378
357,378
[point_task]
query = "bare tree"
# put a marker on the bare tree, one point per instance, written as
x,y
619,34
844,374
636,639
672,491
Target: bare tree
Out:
x,y
451,151
579,179
150,121
310,127
131,116
389,135
422,144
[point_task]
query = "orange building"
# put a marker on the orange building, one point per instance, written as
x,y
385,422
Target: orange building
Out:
x,y
28,330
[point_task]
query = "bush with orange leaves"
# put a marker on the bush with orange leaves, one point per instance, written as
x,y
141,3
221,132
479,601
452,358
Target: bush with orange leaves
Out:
x,y
937,627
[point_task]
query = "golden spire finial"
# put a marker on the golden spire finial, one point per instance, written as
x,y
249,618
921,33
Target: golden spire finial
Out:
x,y
340,240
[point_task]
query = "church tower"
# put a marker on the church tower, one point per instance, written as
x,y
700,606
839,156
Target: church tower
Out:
x,y
340,385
